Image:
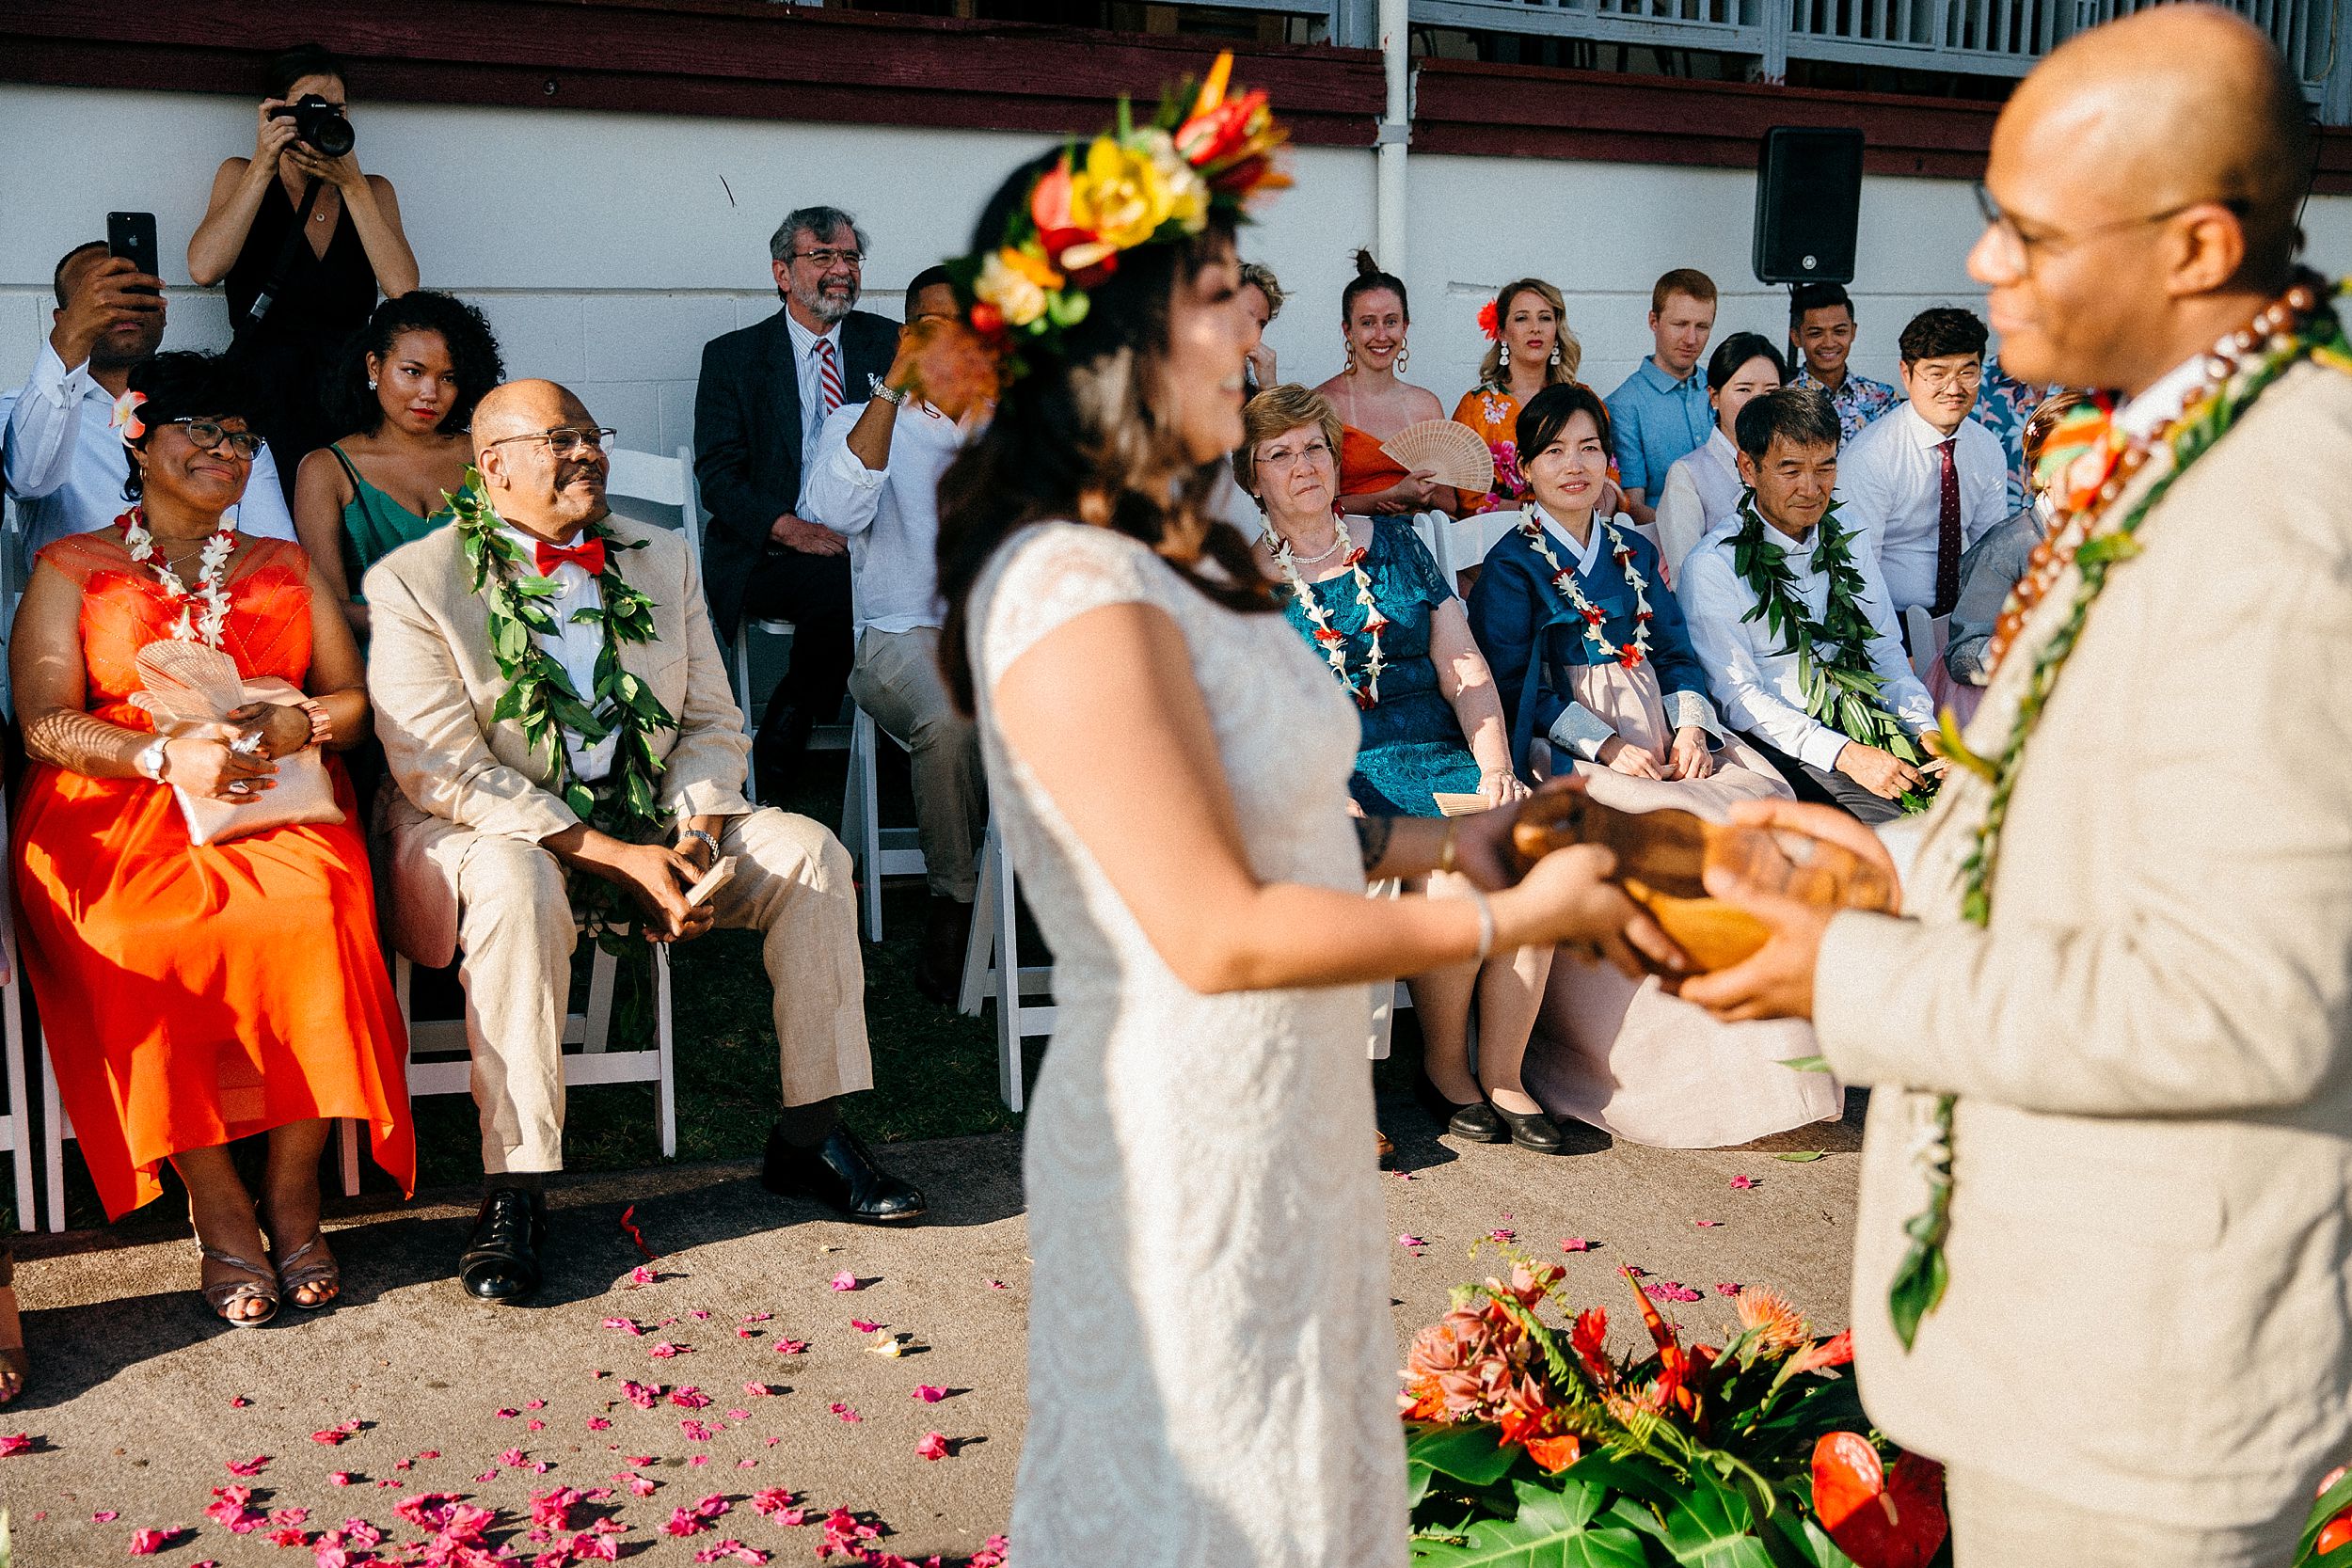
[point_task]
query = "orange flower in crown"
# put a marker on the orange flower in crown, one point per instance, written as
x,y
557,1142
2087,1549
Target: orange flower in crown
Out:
x,y
1131,186
1490,322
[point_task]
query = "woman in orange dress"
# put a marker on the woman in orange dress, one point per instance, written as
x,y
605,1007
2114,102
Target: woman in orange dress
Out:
x,y
1374,403
1532,349
194,994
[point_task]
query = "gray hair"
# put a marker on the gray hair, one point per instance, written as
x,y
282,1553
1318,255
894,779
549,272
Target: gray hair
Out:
x,y
819,221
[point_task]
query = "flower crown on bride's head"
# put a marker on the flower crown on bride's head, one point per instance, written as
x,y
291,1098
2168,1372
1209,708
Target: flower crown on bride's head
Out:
x,y
1131,186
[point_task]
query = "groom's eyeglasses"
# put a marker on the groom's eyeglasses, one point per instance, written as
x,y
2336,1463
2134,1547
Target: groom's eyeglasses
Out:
x,y
564,442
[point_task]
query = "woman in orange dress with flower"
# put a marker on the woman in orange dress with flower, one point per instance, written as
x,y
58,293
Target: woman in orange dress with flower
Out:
x,y
194,994
1530,348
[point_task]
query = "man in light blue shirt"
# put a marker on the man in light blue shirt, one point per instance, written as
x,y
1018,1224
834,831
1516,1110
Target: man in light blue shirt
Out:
x,y
1661,412
65,462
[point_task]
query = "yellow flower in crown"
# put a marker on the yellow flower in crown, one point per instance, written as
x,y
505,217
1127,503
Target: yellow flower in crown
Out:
x,y
1017,284
1126,189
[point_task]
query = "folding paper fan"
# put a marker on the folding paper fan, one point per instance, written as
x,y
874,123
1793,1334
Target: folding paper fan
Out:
x,y
1455,453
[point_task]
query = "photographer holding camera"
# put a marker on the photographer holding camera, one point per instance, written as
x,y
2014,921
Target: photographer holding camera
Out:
x,y
305,242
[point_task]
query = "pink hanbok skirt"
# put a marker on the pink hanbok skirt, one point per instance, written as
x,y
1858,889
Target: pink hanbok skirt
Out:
x,y
1629,1058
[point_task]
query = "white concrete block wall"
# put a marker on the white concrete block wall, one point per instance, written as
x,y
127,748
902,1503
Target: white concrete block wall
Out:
x,y
606,248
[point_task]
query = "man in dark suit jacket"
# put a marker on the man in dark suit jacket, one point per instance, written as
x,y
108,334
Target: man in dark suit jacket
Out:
x,y
765,390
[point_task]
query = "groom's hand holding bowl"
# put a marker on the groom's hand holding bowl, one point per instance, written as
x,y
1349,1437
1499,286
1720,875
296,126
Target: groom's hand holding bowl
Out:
x,y
1776,981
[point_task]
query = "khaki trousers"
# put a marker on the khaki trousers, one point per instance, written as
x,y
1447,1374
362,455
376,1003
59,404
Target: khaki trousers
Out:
x,y
896,680
515,935
1999,1524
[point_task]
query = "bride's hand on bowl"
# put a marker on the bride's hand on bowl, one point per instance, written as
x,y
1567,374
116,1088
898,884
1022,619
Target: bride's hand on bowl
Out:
x,y
1567,899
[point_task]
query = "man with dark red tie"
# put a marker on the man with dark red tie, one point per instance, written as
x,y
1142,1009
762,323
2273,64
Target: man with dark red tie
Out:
x,y
1925,482
538,602
764,394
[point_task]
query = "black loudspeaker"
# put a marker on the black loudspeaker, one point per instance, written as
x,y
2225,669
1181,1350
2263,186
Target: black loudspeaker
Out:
x,y
1808,198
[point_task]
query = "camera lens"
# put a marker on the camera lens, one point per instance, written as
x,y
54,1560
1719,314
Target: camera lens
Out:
x,y
322,125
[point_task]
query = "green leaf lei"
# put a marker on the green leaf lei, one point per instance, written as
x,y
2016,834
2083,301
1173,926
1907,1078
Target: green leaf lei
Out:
x,y
1920,1279
626,803
1833,654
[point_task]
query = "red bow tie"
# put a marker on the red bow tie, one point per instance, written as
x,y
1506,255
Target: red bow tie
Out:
x,y
588,555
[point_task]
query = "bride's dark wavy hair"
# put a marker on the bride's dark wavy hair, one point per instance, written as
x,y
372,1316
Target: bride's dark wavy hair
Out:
x,y
1083,436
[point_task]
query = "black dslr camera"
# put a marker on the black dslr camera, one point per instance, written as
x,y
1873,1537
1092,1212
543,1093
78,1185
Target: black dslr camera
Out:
x,y
318,123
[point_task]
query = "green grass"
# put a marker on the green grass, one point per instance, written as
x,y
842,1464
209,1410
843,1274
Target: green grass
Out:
x,y
934,1069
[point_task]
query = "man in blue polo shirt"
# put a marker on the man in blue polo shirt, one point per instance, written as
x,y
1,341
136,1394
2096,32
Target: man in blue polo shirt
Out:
x,y
1661,411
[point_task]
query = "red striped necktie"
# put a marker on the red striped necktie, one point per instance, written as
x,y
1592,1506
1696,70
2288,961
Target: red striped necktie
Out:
x,y
829,374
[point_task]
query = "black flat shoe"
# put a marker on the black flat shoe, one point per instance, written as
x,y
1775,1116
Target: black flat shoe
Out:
x,y
841,1174
1535,1132
500,1263
1475,1121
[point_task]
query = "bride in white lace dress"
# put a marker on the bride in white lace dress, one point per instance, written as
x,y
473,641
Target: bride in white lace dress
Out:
x,y
1212,1364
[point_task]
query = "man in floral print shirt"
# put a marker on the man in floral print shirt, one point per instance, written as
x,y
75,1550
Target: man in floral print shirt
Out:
x,y
1822,333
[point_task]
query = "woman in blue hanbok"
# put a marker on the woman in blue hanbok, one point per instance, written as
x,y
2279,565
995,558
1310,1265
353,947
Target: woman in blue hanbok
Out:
x,y
1594,668
1366,595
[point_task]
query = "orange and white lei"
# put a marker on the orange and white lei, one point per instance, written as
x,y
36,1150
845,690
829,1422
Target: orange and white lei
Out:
x,y
1330,639
1563,581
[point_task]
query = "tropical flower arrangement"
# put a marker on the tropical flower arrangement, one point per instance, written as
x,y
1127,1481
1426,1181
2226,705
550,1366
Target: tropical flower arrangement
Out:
x,y
1530,1443
2328,1533
1131,187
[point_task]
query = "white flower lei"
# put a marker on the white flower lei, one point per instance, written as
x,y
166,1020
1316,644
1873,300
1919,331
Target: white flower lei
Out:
x,y
204,611
1564,581
1333,641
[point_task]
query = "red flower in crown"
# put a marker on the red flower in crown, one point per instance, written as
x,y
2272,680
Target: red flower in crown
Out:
x,y
1489,321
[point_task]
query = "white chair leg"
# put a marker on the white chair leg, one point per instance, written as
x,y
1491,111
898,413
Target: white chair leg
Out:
x,y
20,1105
665,1083
743,678
979,948
53,1141
602,970
864,782
1009,1054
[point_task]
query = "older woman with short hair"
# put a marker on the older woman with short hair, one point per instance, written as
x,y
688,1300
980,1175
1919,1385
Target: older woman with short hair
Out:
x,y
196,993
1365,595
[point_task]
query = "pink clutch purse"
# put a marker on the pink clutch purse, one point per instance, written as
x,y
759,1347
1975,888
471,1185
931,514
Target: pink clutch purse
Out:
x,y
190,691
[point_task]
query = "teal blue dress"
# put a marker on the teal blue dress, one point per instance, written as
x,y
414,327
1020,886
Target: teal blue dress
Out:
x,y
1412,747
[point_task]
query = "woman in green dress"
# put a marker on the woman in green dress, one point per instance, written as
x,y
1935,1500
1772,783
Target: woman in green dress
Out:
x,y
407,390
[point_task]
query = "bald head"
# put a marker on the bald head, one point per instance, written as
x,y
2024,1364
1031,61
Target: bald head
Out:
x,y
539,488
2174,106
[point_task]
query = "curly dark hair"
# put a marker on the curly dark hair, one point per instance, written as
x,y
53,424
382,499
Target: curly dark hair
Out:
x,y
184,385
1080,436
473,351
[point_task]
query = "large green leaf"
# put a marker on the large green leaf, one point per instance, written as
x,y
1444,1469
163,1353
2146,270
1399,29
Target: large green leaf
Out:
x,y
1714,1527
1552,1530
1471,1454
2337,1499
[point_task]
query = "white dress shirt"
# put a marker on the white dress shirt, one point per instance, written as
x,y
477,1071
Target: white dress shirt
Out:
x,y
1890,487
1702,489
889,516
2161,401
813,385
1755,682
575,645
66,462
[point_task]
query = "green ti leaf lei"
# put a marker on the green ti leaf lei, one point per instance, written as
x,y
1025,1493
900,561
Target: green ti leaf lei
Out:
x,y
1923,1273
626,803
1833,654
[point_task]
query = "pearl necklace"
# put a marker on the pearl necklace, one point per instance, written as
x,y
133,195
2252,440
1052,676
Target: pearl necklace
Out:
x,y
203,611
1330,639
1563,580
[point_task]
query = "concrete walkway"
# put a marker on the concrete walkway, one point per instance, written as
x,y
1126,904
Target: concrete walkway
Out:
x,y
141,1401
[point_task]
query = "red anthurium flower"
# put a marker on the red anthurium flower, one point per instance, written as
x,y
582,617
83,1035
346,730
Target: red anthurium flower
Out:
x,y
1879,1518
1489,321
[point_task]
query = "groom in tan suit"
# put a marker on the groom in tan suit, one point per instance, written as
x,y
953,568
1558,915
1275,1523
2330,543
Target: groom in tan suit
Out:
x,y
484,847
2144,1353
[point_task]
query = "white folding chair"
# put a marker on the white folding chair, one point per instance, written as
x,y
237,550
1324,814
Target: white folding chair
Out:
x,y
877,851
16,1127
1388,997
992,968
594,1063
1926,634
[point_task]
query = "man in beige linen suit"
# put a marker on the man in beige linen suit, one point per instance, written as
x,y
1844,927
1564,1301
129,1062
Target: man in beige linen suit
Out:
x,y
2144,1355
484,845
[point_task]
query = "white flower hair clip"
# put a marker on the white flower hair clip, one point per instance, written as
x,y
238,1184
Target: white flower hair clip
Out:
x,y
126,415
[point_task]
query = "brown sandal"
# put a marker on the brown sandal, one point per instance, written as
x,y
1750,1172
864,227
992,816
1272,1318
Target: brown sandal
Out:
x,y
321,1272
224,1294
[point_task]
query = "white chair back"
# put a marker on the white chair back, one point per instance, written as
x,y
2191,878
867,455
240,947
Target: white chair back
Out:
x,y
636,481
1926,634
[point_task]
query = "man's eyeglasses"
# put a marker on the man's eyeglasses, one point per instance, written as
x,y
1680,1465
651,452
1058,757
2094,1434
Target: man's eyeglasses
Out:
x,y
564,442
826,258
212,436
2017,247
1290,457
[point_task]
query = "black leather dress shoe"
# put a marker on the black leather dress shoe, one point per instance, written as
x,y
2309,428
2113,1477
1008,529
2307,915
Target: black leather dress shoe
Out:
x,y
500,1263
840,1173
1475,1121
1536,1133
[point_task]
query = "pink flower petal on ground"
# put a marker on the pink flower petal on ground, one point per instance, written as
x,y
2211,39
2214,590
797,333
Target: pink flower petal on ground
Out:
x,y
1742,1183
747,1334
684,1521
23,1443
689,1398
1706,1225
239,1403
331,1436
534,1404
1576,1244
1505,1236
739,1415
146,1543
1410,1240
845,1280
698,1313
695,1432
236,1466
757,1390
641,1274
698,1458
534,1424
991,1553
928,1394
597,1423
641,1486
514,1459
1670,1290
286,1537
997,1284
485,1478
769,1501
104,1517
845,1412
932,1446
789,1347
1724,1289
665,1351
757,1317
504,1413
